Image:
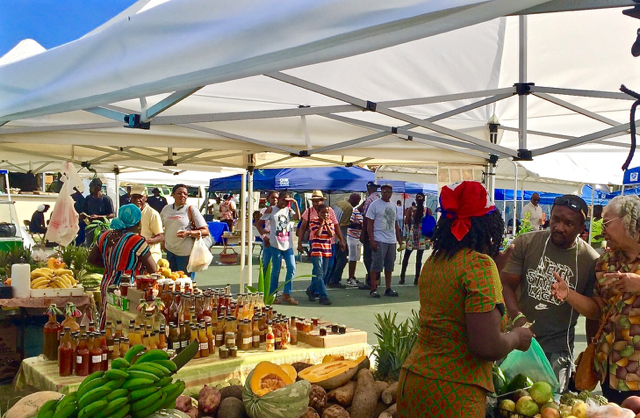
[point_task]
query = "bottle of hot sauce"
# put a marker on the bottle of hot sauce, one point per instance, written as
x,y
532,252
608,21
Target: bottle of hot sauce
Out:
x,y
50,340
83,357
96,353
270,338
203,341
162,338
174,338
105,351
109,337
65,354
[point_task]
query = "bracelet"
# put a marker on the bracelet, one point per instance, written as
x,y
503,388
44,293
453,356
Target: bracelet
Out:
x,y
519,316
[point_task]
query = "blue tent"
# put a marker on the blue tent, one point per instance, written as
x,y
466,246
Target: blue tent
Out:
x,y
329,179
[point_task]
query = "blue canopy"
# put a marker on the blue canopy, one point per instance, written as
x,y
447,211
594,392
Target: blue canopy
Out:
x,y
262,180
631,176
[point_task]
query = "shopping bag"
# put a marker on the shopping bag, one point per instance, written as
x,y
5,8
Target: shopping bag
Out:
x,y
532,363
63,225
200,256
586,378
428,225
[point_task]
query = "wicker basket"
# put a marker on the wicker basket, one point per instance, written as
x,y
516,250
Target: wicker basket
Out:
x,y
229,257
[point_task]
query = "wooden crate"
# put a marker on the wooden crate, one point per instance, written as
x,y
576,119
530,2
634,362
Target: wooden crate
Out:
x,y
353,336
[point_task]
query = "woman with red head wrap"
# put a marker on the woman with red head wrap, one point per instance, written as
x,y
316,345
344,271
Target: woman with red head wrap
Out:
x,y
448,372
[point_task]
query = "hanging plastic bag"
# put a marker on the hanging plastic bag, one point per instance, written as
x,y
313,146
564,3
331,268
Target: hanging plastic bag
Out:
x,y
532,363
63,225
200,256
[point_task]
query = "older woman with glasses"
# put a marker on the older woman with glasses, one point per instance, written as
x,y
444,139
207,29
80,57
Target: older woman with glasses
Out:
x,y
615,300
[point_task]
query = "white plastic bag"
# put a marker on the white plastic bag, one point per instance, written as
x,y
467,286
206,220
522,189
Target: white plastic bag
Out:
x,y
63,225
200,256
608,411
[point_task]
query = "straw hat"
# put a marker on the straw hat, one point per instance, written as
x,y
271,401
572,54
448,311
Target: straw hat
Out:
x,y
317,194
138,189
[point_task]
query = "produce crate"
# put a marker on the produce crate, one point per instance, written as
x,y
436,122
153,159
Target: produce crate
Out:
x,y
352,336
77,290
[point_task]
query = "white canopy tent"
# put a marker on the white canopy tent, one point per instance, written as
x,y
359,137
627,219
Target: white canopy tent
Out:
x,y
285,83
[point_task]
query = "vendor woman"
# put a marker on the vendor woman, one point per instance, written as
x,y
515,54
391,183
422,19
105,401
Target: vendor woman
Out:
x,y
121,250
448,372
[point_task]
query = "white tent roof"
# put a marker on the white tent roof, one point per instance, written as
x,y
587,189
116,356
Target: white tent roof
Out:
x,y
410,82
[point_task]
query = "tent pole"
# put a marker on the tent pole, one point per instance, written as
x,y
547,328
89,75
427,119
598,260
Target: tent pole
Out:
x,y
515,195
593,192
522,114
622,191
116,204
250,228
243,224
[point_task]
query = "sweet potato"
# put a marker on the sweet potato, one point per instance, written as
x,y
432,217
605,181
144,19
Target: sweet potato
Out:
x,y
389,394
208,400
335,411
344,394
365,399
317,398
380,408
392,412
184,403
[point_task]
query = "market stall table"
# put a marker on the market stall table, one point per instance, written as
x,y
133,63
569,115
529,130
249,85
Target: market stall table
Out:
x,y
43,375
25,305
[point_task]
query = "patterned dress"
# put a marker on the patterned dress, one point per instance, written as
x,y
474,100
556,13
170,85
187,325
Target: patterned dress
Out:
x,y
618,350
441,376
122,254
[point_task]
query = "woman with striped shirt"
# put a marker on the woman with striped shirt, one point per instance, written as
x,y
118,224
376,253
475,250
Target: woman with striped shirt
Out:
x,y
323,229
121,250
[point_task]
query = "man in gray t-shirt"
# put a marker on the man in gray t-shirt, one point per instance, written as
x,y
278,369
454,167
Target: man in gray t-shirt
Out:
x,y
529,271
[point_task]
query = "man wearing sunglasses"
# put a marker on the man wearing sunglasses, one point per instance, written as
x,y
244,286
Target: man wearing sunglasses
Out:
x,y
528,276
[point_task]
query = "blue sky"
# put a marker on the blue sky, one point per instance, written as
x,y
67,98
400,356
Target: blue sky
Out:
x,y
53,22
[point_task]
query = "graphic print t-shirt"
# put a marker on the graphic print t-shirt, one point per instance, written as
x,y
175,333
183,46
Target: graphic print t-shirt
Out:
x,y
280,236
384,221
536,266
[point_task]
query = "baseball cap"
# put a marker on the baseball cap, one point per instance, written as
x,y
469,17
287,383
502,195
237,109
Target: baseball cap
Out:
x,y
573,202
317,194
139,189
372,184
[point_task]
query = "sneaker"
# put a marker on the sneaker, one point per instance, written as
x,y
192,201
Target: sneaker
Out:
x,y
364,286
374,294
401,280
352,282
325,301
390,292
310,295
336,285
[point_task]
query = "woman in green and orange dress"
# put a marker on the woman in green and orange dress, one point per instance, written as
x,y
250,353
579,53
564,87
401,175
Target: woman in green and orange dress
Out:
x,y
448,372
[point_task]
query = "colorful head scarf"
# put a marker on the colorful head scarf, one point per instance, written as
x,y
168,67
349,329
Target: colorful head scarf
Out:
x,y
463,201
128,216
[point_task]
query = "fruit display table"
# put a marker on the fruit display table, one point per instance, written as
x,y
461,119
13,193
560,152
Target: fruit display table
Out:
x,y
43,375
115,314
44,302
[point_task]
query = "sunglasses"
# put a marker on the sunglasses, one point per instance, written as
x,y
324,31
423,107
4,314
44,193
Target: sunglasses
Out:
x,y
571,204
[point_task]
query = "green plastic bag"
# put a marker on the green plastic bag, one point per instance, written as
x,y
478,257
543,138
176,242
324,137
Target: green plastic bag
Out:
x,y
532,363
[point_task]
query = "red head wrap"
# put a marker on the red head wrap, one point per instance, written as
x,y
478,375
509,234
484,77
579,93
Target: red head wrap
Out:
x,y
463,201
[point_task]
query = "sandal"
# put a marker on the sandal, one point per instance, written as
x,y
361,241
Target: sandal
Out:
x,y
288,300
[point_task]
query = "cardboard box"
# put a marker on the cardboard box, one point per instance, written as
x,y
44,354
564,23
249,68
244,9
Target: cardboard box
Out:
x,y
353,336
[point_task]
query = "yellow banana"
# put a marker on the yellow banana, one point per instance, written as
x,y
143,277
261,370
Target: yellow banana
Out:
x,y
37,282
41,272
42,285
72,280
55,284
60,283
60,272
64,279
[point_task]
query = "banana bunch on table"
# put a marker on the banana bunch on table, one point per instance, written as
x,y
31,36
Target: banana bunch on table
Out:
x,y
47,278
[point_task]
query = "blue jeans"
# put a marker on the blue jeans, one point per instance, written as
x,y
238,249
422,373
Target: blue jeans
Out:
x,y
318,274
290,262
179,263
267,254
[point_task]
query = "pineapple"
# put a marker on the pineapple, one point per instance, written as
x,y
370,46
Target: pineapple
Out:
x,y
395,342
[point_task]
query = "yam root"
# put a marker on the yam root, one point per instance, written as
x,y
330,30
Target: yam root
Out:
x,y
344,394
365,399
184,403
381,387
317,398
392,412
380,408
231,408
335,411
208,400
310,413
390,394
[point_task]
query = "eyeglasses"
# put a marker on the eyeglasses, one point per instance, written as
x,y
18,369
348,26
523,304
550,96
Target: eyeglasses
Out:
x,y
571,204
604,224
